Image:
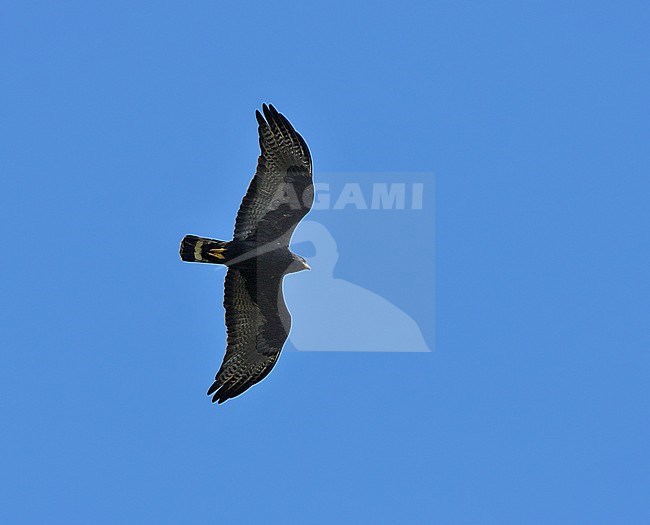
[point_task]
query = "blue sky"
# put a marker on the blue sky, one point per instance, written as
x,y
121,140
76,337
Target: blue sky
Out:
x,y
126,126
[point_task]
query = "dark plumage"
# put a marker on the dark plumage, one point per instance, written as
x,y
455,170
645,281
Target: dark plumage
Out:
x,y
279,196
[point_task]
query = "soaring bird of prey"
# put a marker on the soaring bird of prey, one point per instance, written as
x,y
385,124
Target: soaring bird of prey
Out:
x,y
279,196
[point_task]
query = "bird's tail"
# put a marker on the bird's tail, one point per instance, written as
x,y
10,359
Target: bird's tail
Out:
x,y
202,249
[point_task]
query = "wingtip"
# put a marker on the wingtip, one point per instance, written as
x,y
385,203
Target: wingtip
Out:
x,y
273,118
213,387
275,113
219,394
220,397
260,118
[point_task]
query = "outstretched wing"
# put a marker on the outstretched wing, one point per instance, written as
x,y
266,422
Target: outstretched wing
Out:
x,y
258,323
281,192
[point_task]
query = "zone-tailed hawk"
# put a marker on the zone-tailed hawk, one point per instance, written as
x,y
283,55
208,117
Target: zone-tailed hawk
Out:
x,y
279,196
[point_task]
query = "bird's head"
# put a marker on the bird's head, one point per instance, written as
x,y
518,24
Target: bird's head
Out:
x,y
298,264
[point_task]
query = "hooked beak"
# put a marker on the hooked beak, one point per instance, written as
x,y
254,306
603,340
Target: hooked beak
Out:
x,y
307,267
